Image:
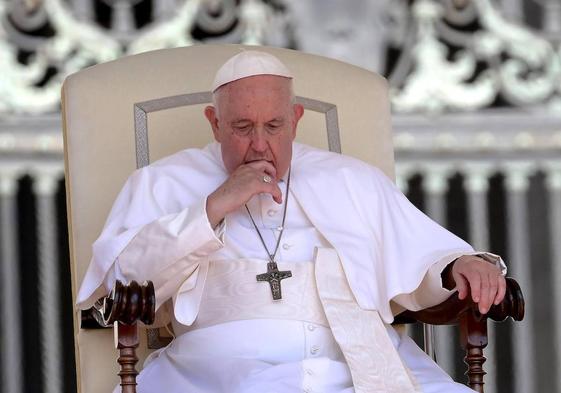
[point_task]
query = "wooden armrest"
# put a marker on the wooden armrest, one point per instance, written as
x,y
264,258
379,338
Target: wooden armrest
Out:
x,y
125,306
473,324
449,311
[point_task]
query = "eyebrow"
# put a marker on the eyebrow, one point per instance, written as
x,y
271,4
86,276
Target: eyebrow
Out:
x,y
276,120
241,122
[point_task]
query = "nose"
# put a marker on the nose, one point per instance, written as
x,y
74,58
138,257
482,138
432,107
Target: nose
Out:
x,y
258,140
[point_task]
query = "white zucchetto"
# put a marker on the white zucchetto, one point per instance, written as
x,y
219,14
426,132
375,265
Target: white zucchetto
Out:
x,y
249,63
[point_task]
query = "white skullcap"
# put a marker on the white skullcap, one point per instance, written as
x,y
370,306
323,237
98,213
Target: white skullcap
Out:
x,y
249,63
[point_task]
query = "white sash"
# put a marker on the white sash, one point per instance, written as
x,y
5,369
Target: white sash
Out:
x,y
373,360
231,293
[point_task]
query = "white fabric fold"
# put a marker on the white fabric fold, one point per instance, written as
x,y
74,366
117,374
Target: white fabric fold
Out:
x,y
187,300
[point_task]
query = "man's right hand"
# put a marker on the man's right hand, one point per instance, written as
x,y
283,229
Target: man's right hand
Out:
x,y
245,182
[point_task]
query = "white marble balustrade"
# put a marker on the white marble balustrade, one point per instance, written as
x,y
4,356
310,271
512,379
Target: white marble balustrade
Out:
x,y
517,175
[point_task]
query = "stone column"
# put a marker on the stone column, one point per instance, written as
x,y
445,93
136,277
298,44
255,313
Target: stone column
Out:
x,y
45,186
553,183
517,184
477,186
402,175
10,307
436,185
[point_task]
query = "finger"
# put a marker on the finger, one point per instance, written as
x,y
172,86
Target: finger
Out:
x,y
263,166
501,290
272,188
276,193
484,292
475,286
493,288
462,286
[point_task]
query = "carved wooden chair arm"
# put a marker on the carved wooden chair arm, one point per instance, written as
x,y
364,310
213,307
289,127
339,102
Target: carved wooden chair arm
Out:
x,y
124,307
449,311
126,304
473,325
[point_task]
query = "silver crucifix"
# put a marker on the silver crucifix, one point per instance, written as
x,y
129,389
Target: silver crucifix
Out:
x,y
274,277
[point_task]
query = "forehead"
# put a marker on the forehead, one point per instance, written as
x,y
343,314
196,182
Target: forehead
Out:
x,y
260,92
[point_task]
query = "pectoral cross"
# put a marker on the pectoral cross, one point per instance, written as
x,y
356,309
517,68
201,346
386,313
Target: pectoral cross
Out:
x,y
274,277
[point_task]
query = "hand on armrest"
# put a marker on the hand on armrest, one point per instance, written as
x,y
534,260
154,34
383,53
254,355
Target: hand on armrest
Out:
x,y
472,274
449,311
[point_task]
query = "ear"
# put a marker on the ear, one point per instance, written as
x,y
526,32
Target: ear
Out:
x,y
210,114
298,113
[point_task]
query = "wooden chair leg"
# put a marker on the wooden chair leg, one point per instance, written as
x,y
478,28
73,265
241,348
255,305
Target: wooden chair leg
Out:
x,y
473,326
473,338
127,342
123,308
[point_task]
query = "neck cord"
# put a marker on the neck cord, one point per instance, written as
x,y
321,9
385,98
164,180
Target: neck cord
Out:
x,y
272,256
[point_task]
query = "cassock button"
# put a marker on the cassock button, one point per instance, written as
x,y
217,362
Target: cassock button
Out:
x,y
311,328
271,212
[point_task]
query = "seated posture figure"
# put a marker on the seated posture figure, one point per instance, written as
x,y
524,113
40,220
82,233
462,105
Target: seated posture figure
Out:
x,y
280,265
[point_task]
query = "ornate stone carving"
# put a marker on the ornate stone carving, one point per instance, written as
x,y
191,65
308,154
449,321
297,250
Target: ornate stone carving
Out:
x,y
56,39
451,55
500,59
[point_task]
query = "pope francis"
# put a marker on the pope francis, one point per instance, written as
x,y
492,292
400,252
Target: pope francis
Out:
x,y
280,266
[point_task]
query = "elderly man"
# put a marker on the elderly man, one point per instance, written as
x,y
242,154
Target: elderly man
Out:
x,y
249,315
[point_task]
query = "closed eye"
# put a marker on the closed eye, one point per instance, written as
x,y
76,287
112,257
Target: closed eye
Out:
x,y
274,126
242,128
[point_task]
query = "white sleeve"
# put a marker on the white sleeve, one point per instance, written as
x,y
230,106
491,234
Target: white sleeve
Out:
x,y
431,291
167,251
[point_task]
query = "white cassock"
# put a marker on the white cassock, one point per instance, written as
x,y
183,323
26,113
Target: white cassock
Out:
x,y
352,242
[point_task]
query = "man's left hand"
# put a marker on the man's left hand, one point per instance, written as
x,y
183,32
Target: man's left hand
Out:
x,y
487,284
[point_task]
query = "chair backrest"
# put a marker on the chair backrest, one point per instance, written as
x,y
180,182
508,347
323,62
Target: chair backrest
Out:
x,y
125,113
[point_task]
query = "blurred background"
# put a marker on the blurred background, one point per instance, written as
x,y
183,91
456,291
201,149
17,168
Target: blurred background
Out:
x,y
476,94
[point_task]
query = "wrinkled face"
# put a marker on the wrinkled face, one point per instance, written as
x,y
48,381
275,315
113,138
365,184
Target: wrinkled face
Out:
x,y
255,119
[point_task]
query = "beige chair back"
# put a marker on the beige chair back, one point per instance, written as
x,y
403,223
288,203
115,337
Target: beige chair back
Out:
x,y
125,113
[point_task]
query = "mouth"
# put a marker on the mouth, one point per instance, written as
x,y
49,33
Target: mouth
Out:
x,y
260,159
